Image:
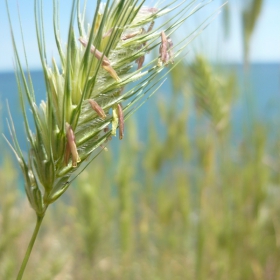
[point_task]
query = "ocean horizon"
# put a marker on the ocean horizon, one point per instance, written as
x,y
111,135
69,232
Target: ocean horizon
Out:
x,y
260,85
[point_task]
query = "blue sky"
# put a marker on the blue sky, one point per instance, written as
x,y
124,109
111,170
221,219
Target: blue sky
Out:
x,y
265,45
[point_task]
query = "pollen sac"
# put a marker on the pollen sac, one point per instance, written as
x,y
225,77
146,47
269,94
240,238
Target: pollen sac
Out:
x,y
71,146
150,10
170,50
165,50
99,111
133,34
121,122
151,26
115,120
111,71
106,64
140,61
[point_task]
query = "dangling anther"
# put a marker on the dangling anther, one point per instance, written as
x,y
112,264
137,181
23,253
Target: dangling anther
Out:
x,y
99,111
106,64
121,122
71,146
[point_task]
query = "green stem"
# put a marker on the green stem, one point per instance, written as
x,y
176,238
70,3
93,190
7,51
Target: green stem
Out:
x,y
30,245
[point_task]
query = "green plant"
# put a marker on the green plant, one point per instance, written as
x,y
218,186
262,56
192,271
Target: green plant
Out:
x,y
86,101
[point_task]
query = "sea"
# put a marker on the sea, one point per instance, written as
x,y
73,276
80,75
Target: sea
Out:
x,y
258,86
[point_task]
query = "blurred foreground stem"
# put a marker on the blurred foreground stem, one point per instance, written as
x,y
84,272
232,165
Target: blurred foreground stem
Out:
x,y
30,245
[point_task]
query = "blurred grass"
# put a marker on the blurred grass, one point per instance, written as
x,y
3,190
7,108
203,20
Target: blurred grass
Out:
x,y
190,204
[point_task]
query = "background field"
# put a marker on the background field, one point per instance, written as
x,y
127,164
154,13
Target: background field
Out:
x,y
191,192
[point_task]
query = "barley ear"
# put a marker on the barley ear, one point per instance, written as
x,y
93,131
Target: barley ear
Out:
x,y
213,93
83,93
68,131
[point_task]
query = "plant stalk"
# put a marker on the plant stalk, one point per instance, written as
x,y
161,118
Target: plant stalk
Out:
x,y
30,245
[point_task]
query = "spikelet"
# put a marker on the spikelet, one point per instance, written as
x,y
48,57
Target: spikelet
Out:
x,y
213,93
121,122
